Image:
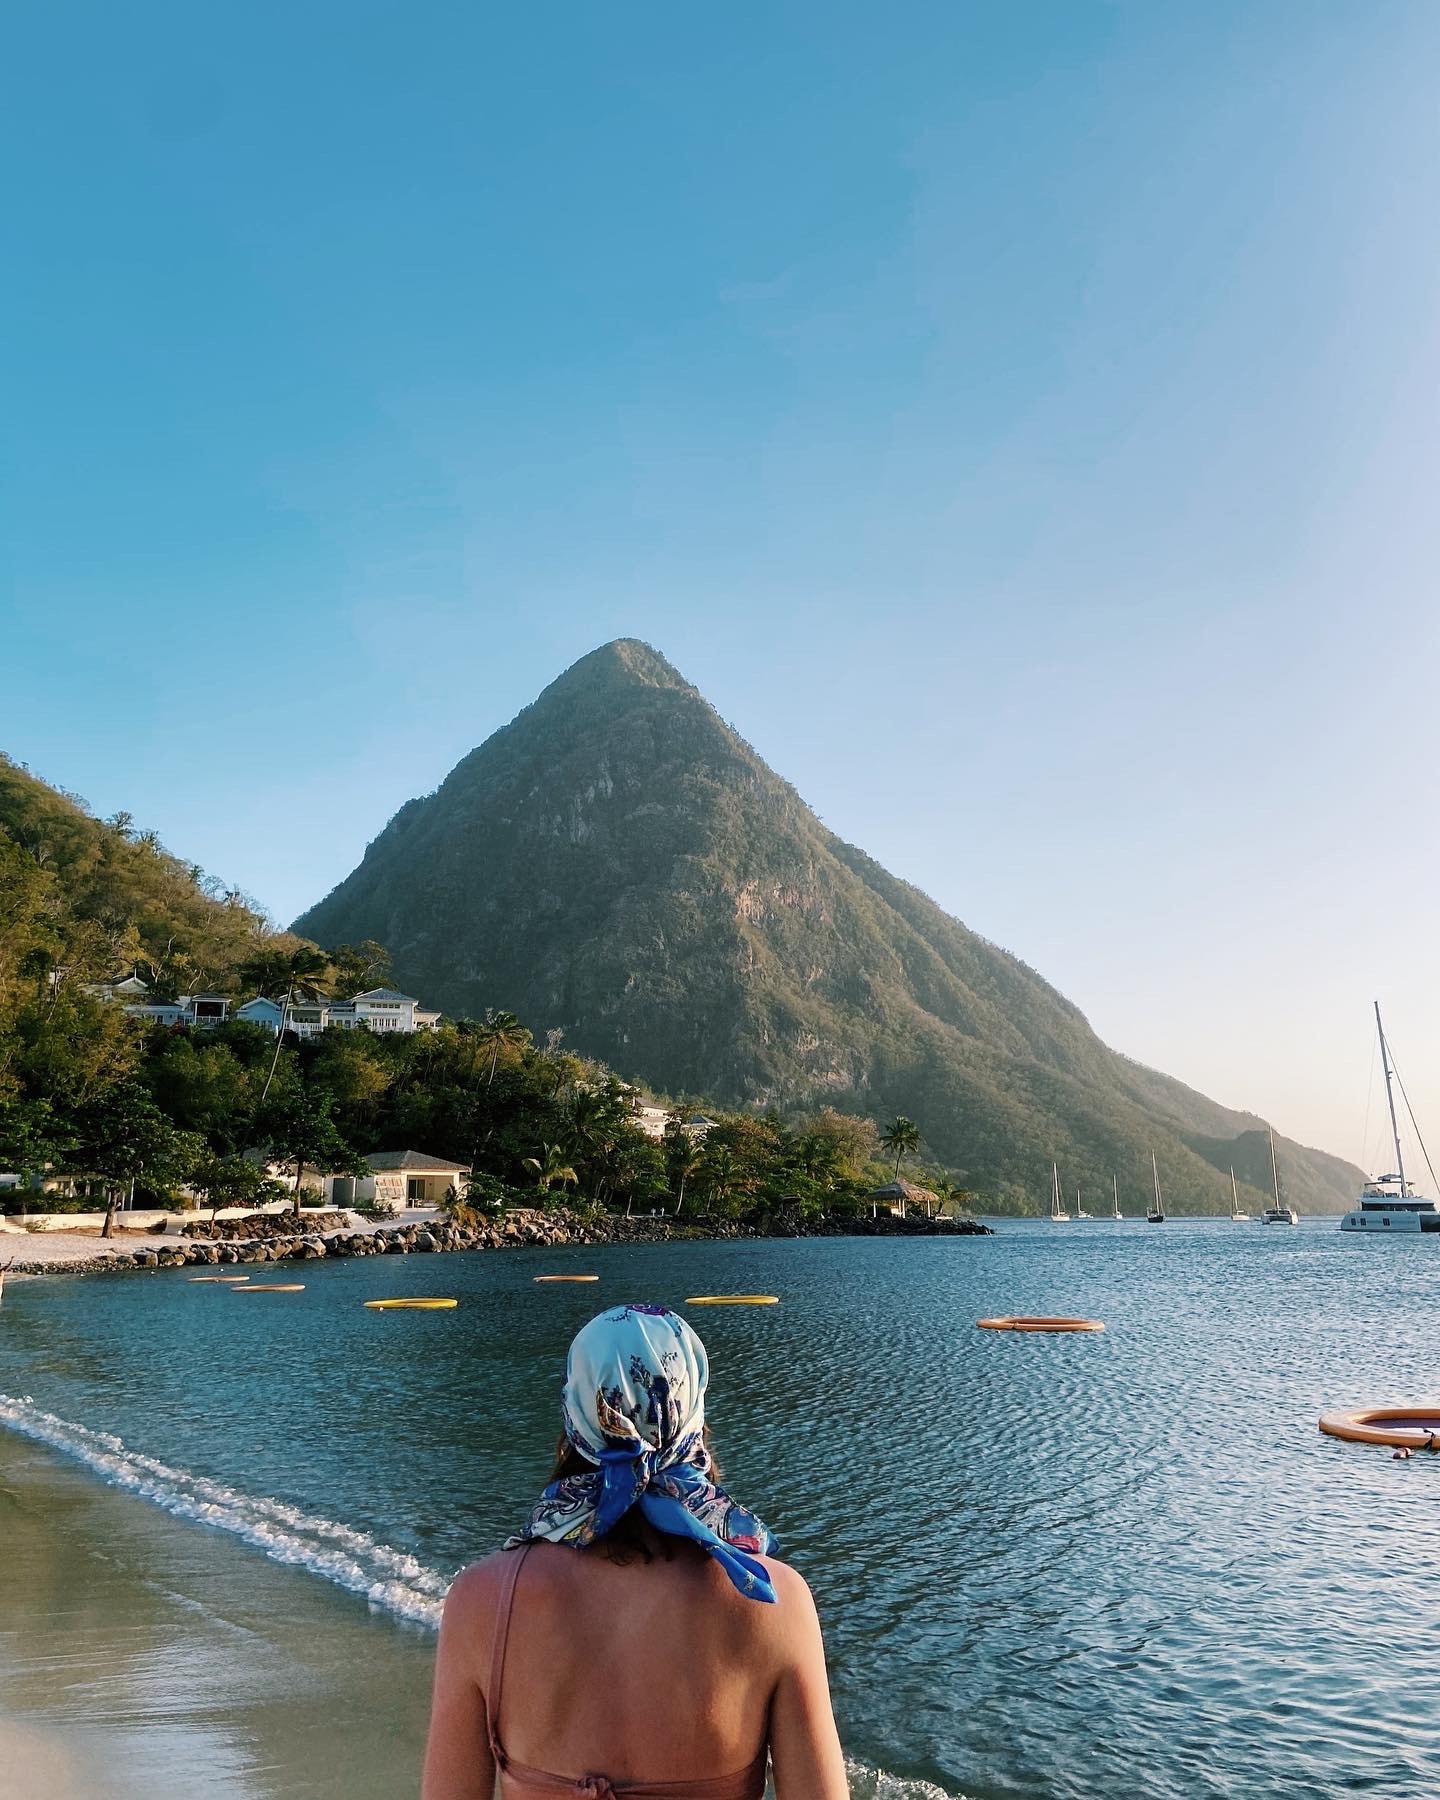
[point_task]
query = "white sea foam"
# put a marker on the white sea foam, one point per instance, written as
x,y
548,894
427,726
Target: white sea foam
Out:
x,y
388,1578
878,1784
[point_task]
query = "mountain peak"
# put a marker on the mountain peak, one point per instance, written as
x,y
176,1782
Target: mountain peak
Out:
x,y
618,864
623,661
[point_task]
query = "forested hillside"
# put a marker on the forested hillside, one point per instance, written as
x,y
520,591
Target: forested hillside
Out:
x,y
166,1110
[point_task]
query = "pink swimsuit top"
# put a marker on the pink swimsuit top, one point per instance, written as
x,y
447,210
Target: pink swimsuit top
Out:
x,y
520,1781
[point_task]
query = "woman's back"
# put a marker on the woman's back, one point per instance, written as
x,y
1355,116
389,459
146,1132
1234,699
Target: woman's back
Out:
x,y
649,1671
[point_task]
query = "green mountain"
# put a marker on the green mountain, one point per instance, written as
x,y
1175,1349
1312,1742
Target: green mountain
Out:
x,y
96,897
618,863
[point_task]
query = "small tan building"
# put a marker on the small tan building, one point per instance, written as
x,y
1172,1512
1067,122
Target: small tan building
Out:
x,y
400,1178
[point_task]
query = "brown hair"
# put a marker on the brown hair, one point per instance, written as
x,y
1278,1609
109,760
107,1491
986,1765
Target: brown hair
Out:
x,y
631,1536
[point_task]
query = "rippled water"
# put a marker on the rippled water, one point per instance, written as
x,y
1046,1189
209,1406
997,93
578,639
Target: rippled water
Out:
x,y
1075,1566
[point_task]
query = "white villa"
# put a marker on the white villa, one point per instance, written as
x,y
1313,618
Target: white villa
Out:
x,y
378,1009
652,1118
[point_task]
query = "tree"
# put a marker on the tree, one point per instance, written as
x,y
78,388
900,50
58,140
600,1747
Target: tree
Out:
x,y
549,1167
356,967
497,1032
123,1137
959,1199
902,1138
298,1129
684,1154
231,1181
595,1121
308,965
718,1174
31,1139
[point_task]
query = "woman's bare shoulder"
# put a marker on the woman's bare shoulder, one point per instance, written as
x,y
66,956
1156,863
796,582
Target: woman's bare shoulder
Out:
x,y
789,1583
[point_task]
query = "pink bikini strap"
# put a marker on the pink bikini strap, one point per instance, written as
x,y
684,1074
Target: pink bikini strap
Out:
x,y
515,1562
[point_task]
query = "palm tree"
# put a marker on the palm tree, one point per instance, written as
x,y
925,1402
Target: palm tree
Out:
x,y
309,966
683,1156
550,1166
720,1172
950,1193
596,1116
499,1031
902,1137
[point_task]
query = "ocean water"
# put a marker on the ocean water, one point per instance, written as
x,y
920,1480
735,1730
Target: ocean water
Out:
x,y
1046,1566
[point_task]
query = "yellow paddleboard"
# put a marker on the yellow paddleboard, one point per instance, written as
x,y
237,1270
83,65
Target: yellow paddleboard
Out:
x,y
733,1300
567,1277
419,1305
272,1287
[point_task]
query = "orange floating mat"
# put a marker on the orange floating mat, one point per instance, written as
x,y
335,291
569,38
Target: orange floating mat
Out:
x,y
273,1287
1020,1324
1406,1427
567,1277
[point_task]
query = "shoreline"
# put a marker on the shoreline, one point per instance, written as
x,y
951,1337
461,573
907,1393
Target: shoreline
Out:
x,y
83,1252
145,1660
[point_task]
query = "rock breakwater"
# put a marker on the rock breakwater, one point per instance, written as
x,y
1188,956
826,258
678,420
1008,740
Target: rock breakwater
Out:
x,y
272,1238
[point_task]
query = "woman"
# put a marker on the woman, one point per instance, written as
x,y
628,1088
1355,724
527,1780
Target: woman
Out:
x,y
636,1625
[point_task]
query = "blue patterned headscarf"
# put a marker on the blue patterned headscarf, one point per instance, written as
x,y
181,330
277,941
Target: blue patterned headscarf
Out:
x,y
634,1406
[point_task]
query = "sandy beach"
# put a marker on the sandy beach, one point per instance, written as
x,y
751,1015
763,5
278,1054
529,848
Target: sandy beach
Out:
x,y
145,1660
63,1247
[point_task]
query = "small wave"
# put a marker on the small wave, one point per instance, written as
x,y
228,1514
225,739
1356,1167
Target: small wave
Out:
x,y
388,1578
878,1784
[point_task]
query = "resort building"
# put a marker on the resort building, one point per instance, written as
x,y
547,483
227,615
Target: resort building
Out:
x,y
654,1119
205,1011
399,1178
377,1009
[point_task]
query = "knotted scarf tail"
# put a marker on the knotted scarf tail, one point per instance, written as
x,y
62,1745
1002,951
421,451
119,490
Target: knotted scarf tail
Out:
x,y
746,1572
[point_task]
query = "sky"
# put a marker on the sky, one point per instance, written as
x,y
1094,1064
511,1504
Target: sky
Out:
x,y
1019,419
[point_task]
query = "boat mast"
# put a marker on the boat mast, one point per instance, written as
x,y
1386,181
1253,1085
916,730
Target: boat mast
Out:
x,y
1274,1172
1115,1188
1054,1189
1155,1171
1390,1097
1234,1197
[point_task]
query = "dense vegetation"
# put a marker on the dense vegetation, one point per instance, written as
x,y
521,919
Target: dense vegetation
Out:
x,y
149,1108
618,864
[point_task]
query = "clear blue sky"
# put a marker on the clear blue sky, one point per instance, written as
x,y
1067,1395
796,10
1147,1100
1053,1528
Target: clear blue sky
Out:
x,y
1019,419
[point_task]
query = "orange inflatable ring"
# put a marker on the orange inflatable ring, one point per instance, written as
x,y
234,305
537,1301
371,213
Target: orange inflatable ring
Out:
x,y
1019,1324
1405,1427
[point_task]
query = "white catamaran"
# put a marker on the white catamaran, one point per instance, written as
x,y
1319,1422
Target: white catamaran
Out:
x,y
1080,1212
1279,1213
1058,1214
1237,1213
1389,1202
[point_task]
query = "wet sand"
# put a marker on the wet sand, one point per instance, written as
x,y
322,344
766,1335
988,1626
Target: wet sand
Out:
x,y
141,1659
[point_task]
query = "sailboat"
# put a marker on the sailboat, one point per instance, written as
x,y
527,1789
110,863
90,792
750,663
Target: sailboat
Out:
x,y
1278,1214
1080,1212
1389,1202
1236,1212
1057,1212
1115,1186
1155,1212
